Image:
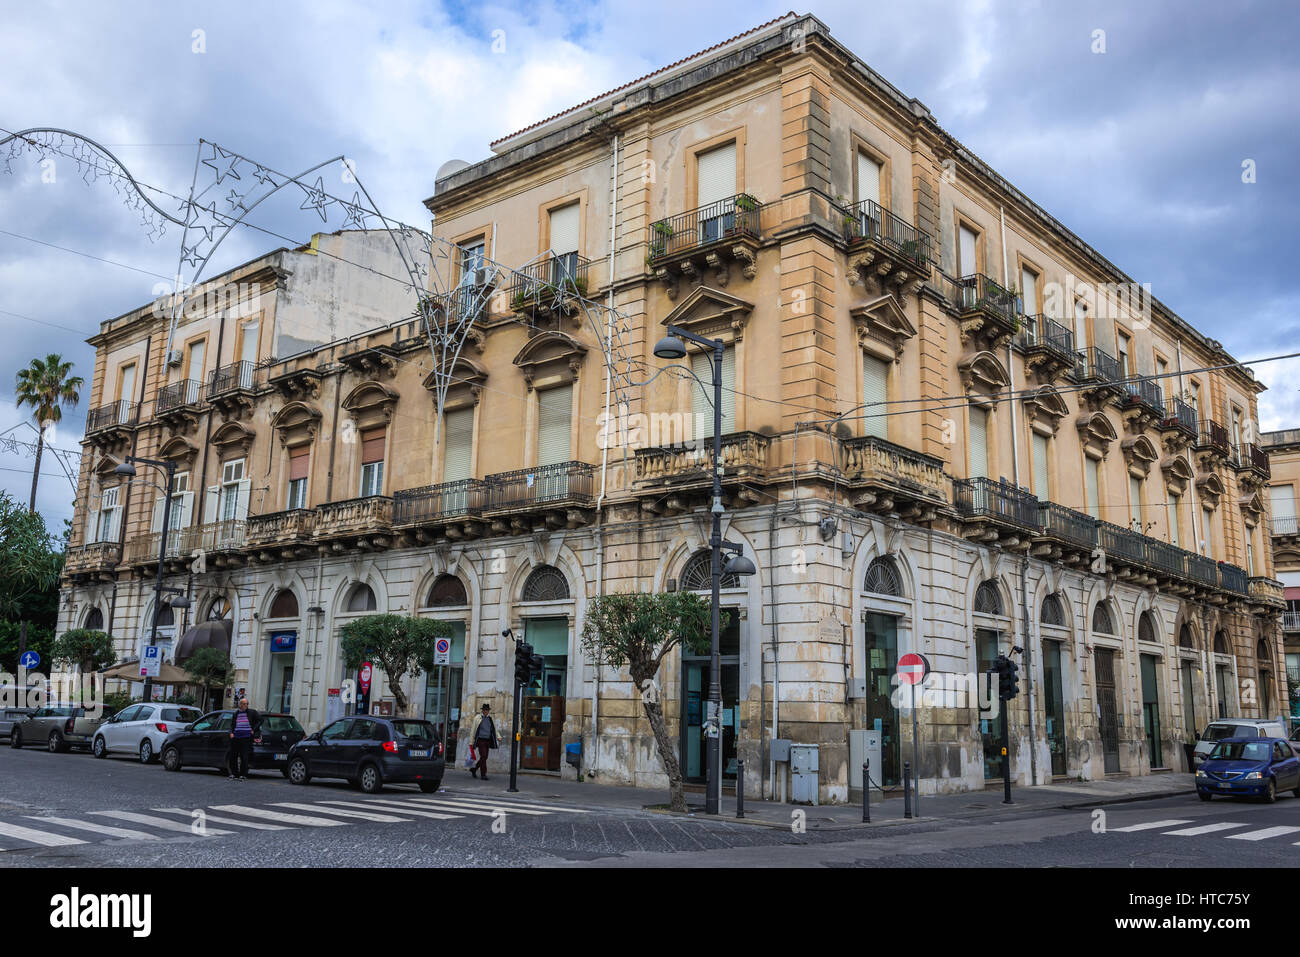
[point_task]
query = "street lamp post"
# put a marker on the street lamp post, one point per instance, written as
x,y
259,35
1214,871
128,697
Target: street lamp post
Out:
x,y
127,468
672,347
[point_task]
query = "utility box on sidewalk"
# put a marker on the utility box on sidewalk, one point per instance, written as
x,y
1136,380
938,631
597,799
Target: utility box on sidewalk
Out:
x,y
803,773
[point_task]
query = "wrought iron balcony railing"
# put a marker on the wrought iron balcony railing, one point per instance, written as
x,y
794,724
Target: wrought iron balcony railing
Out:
x,y
1202,570
1180,415
725,219
1215,436
868,221
1250,456
550,281
1233,579
1041,332
113,415
435,503
1291,621
1096,365
1144,391
235,377
979,293
1286,525
989,498
555,484
178,395
1067,525
1122,543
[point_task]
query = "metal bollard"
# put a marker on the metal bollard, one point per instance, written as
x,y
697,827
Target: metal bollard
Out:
x,y
907,789
866,791
740,788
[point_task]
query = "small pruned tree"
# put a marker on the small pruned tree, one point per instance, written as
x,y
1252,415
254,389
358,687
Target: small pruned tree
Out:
x,y
210,668
399,645
85,648
637,632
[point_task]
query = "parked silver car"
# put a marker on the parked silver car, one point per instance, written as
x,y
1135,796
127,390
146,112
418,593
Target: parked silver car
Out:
x,y
57,727
141,729
11,716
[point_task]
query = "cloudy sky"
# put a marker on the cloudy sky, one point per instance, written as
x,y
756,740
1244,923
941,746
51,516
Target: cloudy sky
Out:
x,y
1139,149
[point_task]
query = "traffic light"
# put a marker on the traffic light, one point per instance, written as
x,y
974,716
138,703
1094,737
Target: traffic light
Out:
x,y
523,662
538,663
1008,678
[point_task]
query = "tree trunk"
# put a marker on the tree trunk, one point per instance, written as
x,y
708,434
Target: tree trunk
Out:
x,y
36,472
667,756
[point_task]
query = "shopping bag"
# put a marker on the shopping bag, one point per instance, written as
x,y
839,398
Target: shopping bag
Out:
x,y
471,758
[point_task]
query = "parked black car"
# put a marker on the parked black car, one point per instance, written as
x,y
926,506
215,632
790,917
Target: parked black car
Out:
x,y
206,742
371,752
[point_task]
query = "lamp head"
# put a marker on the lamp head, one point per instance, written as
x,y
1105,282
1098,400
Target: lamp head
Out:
x,y
126,469
738,564
179,601
670,347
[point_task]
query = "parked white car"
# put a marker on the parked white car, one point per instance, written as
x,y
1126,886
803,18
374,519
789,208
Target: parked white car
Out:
x,y
140,729
1221,728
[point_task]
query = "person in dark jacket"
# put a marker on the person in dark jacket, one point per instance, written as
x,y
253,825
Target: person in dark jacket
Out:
x,y
485,738
246,729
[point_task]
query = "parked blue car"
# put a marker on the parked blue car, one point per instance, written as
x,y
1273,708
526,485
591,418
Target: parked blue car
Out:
x,y
1255,767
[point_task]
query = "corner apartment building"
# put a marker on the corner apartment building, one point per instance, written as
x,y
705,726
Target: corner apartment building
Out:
x,y
947,429
1283,448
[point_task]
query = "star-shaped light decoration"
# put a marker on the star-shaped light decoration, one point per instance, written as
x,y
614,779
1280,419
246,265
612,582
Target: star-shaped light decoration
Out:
x,y
190,255
264,175
317,198
193,221
222,163
236,201
357,213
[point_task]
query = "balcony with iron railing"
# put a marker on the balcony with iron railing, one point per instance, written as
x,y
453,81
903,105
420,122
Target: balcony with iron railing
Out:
x,y
439,504
1233,579
113,417
1096,365
884,476
237,377
550,287
986,499
987,308
1291,621
1181,416
1250,457
558,486
365,522
1066,526
690,466
179,395
728,228
1284,526
1213,445
1048,346
895,248
1146,394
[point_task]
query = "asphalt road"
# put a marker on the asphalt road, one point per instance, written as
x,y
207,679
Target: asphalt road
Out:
x,y
72,810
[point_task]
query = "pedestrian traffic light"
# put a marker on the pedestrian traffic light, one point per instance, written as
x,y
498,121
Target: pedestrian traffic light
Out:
x,y
523,662
1008,672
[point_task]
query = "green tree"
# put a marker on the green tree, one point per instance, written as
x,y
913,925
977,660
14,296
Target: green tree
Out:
x,y
637,632
87,649
29,572
46,387
210,668
399,645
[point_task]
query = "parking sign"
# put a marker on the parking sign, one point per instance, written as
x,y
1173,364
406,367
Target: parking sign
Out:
x,y
442,652
151,662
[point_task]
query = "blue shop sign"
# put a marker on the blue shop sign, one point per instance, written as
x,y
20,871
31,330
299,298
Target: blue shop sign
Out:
x,y
284,642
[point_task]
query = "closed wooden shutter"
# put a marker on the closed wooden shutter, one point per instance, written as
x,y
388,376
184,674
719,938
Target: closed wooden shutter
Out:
x,y
564,229
211,502
243,492
372,446
716,175
298,461
155,523
1041,471
1092,474
554,432
979,442
875,392
702,395
458,429
868,178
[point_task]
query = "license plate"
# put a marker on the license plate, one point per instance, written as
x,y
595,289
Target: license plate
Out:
x,y
1225,785
282,757
417,754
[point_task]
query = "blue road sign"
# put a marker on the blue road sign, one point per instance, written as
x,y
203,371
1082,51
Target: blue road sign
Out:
x,y
31,660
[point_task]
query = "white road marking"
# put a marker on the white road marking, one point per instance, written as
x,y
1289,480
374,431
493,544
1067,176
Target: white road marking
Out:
x,y
404,809
484,810
159,822
255,825
504,803
1263,834
1146,826
380,818
1204,829
279,816
37,837
121,832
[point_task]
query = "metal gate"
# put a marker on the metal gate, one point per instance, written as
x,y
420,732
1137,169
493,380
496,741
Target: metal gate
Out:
x,y
1108,718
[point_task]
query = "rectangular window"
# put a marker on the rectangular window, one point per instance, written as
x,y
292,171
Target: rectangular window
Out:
x,y
967,251
182,500
868,177
458,432
565,231
110,514
1135,503
1080,324
473,254
716,175
1173,519
1236,428
1092,478
248,333
1281,506
1123,346
299,460
1250,553
234,491
979,442
1207,532
1196,396
1029,291
1041,450
554,425
372,462
126,383
875,393
194,367
702,395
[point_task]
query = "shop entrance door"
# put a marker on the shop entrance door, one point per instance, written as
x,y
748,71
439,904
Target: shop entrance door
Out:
x,y
1054,704
881,715
1108,720
695,695
986,649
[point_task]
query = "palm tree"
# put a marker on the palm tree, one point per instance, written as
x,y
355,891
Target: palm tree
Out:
x,y
46,386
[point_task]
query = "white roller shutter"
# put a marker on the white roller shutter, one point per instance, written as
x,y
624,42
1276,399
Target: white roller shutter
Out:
x,y
1041,473
1173,520
968,262
702,396
458,432
1135,503
868,178
564,229
979,442
875,389
1092,475
554,432
717,175
1281,501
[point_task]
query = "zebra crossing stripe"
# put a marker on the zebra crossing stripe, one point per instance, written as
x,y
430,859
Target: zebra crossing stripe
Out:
x,y
507,804
390,804
37,837
255,825
261,812
161,823
1204,829
1147,826
380,818
486,810
121,832
1263,834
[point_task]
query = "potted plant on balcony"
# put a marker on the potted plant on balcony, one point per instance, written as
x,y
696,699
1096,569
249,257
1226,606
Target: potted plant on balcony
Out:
x,y
663,232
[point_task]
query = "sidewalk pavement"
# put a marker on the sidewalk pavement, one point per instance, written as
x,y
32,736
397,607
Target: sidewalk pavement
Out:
x,y
885,810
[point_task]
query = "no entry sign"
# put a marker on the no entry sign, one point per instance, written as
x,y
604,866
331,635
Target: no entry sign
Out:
x,y
912,668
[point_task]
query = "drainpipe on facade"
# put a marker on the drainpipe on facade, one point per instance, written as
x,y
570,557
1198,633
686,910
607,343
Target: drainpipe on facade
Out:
x,y
770,761
1029,672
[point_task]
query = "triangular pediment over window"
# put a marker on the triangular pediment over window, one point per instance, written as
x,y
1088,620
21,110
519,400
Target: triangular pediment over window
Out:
x,y
883,319
711,312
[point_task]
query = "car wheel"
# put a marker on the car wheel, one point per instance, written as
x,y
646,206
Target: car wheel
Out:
x,y
146,751
1205,795
99,748
56,744
171,759
371,781
297,771
1270,793
16,739
429,787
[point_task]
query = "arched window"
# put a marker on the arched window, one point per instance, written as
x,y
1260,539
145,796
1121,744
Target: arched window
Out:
x,y
1102,622
362,598
546,583
95,620
697,575
988,599
220,610
447,590
1185,637
883,577
1220,642
1262,652
1053,612
1146,627
284,605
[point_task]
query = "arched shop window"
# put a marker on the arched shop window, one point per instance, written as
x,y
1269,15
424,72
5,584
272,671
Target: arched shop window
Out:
x,y
447,590
1102,622
988,599
883,577
697,574
362,598
285,605
1053,612
546,583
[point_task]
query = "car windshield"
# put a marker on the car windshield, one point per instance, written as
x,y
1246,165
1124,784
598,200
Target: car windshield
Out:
x,y
1217,732
181,714
1241,751
414,729
280,722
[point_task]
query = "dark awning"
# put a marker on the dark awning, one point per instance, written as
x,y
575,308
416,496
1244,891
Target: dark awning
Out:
x,y
208,634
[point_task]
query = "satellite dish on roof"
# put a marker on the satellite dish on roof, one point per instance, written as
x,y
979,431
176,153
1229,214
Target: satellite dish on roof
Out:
x,y
449,167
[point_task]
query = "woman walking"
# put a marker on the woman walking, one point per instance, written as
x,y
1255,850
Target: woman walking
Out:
x,y
485,738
